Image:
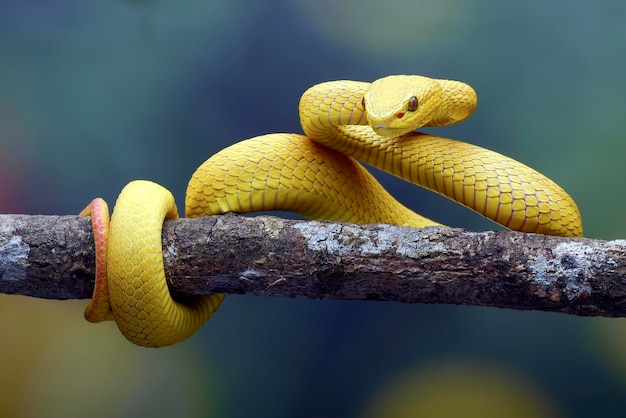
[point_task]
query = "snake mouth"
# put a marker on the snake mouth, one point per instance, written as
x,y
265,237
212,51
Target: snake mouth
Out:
x,y
386,130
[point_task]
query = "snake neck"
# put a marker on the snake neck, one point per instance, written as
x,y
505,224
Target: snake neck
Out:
x,y
458,102
326,106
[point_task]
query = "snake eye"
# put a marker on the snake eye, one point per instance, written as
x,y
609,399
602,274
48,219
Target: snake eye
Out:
x,y
363,102
412,104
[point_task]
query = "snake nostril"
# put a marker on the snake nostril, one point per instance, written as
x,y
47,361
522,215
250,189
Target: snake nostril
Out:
x,y
400,115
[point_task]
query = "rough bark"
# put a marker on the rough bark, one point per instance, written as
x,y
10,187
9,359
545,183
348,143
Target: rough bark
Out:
x,y
53,257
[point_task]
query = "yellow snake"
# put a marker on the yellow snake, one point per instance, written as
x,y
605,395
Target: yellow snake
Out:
x,y
316,175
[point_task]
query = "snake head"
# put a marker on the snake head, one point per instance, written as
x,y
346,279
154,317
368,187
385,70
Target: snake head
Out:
x,y
398,104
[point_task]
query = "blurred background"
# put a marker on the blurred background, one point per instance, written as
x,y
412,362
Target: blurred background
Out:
x,y
93,95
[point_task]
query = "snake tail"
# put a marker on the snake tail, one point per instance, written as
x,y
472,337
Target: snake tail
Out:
x,y
99,309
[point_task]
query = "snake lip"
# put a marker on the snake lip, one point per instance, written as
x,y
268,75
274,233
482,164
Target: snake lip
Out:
x,y
387,131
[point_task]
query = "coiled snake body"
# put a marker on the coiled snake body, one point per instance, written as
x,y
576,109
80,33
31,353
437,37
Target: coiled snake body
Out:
x,y
316,175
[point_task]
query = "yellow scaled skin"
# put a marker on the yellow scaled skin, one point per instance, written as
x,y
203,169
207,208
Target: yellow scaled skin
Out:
x,y
317,175
136,293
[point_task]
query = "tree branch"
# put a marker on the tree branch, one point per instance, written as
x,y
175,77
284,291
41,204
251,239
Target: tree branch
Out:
x,y
53,257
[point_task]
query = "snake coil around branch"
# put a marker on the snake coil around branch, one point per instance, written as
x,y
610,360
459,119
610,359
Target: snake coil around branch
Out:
x,y
318,176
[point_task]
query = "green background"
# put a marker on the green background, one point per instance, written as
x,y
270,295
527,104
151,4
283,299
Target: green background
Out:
x,y
95,94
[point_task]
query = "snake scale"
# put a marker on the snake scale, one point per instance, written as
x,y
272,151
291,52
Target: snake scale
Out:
x,y
318,176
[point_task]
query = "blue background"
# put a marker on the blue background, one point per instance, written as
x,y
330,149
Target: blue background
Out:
x,y
93,95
